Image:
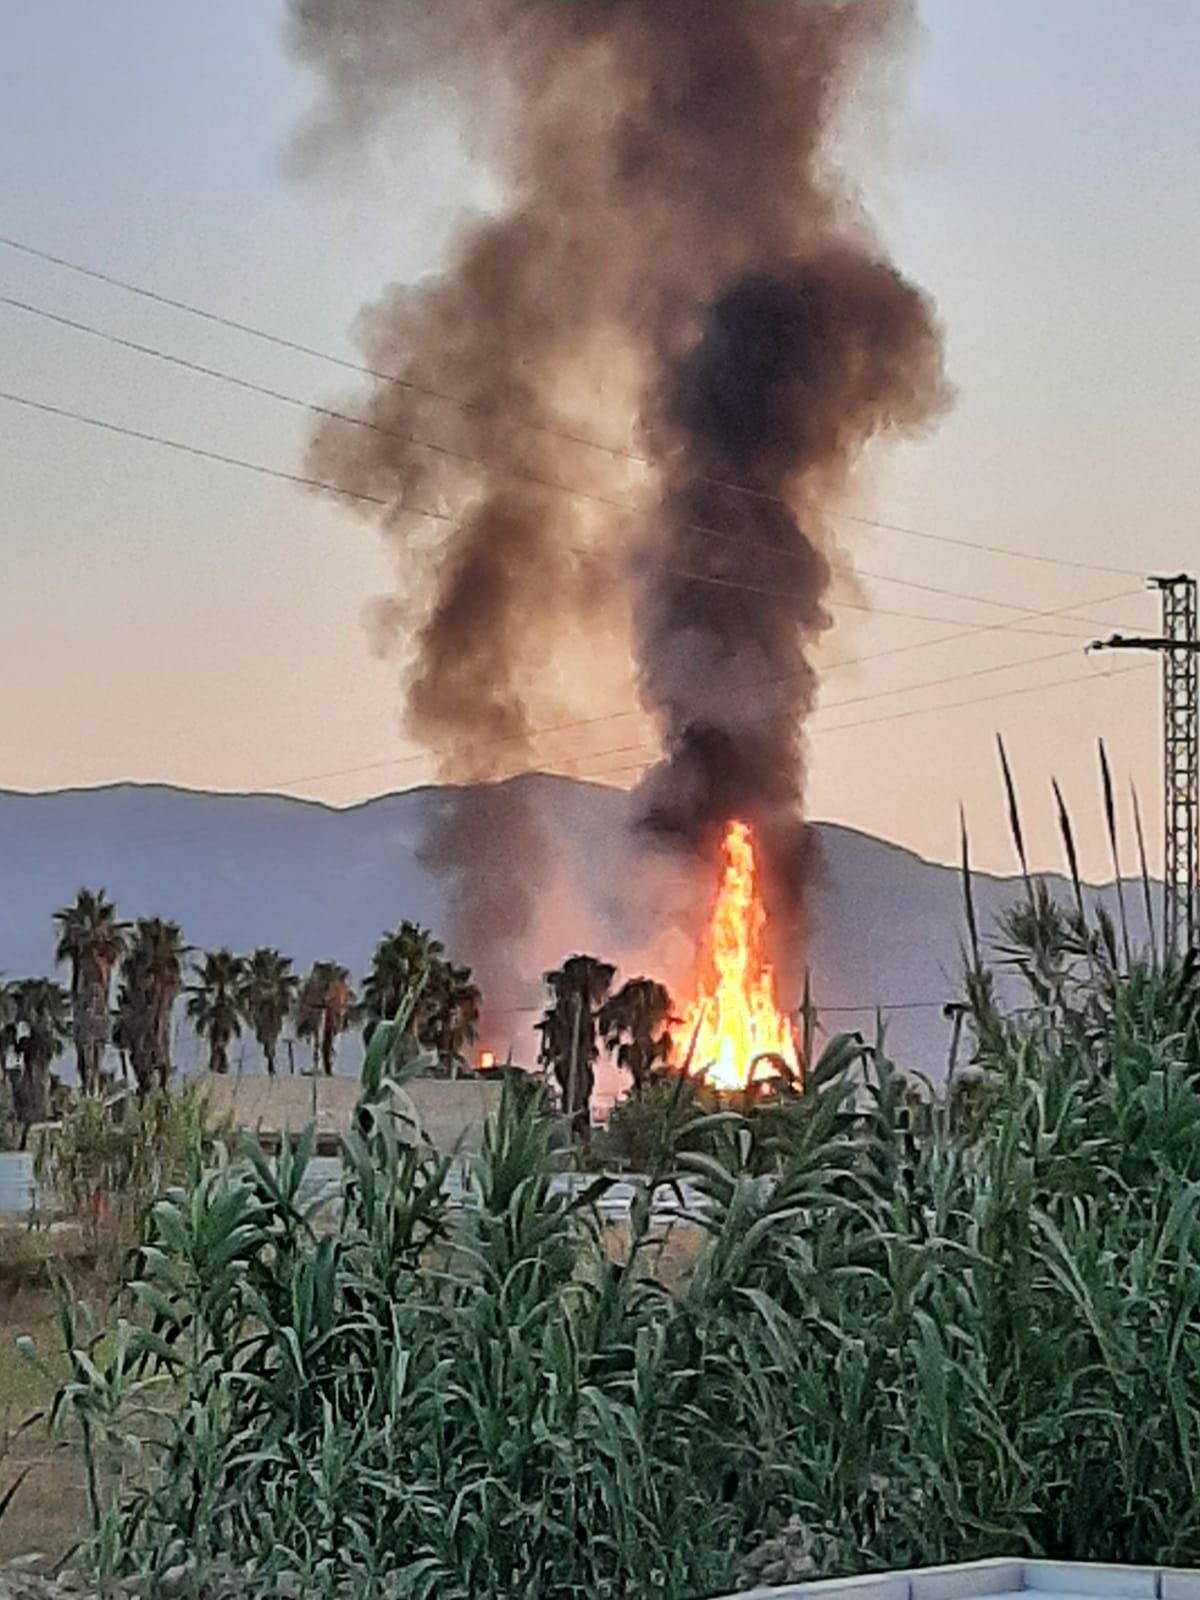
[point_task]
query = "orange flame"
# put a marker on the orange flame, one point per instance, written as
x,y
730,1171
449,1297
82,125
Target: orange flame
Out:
x,y
734,1021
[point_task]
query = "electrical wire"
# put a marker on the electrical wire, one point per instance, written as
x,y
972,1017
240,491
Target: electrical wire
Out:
x,y
70,414
977,630
335,489
258,467
899,716
1004,694
654,756
640,746
187,449
636,711
282,342
523,475
958,677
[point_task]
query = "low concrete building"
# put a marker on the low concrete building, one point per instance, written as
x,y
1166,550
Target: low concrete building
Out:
x,y
450,1113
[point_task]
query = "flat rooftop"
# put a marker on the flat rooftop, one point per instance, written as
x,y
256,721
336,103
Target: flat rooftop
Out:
x,y
999,1580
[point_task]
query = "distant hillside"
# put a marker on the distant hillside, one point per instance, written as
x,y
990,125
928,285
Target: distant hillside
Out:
x,y
260,869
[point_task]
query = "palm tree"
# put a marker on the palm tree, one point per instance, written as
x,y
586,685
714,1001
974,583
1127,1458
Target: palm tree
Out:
x,y
8,1033
636,1023
151,982
324,1010
92,940
451,1013
402,958
40,1027
213,1004
568,1029
266,997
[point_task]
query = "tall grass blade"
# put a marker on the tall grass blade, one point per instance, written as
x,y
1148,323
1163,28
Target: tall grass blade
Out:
x,y
690,1053
10,1494
1147,892
1110,820
808,1025
969,891
1014,816
382,1062
1068,837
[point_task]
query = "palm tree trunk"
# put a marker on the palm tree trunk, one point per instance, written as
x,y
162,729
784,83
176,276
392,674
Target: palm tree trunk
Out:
x,y
25,1101
577,1104
89,1001
161,1065
38,1069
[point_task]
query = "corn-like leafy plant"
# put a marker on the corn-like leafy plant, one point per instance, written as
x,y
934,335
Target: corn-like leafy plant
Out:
x,y
922,1326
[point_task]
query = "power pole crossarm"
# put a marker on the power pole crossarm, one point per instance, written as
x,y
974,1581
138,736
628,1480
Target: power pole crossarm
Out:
x,y
1119,641
1179,647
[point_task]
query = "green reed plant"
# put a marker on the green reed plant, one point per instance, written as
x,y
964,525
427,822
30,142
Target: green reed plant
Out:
x,y
105,1165
922,1327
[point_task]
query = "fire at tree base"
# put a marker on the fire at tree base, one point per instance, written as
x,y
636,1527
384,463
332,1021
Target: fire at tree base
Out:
x,y
736,1034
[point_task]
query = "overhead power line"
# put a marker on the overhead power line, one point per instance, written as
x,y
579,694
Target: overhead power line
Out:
x,y
958,677
979,545
978,630
186,449
952,677
953,705
576,724
296,478
653,755
520,474
70,414
820,1009
899,716
641,747
431,392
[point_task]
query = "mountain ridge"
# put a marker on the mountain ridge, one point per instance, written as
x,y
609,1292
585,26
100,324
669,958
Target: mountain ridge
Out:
x,y
322,881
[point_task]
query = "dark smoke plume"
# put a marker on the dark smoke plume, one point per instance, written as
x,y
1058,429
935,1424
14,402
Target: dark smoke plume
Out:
x,y
680,272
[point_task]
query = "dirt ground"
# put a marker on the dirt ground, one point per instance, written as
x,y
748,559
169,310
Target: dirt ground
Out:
x,y
48,1512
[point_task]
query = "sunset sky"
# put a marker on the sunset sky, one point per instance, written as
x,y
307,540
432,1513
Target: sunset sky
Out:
x,y
166,617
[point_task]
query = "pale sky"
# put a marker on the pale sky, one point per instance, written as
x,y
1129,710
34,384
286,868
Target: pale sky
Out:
x,y
169,618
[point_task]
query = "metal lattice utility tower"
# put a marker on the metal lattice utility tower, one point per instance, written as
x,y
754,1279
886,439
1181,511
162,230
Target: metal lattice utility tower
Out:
x,y
1180,650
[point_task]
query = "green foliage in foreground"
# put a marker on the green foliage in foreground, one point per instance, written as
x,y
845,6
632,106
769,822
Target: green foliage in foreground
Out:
x,y
926,1331
105,1172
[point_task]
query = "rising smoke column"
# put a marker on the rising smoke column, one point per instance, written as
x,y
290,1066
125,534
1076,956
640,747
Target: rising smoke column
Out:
x,y
798,365
679,271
